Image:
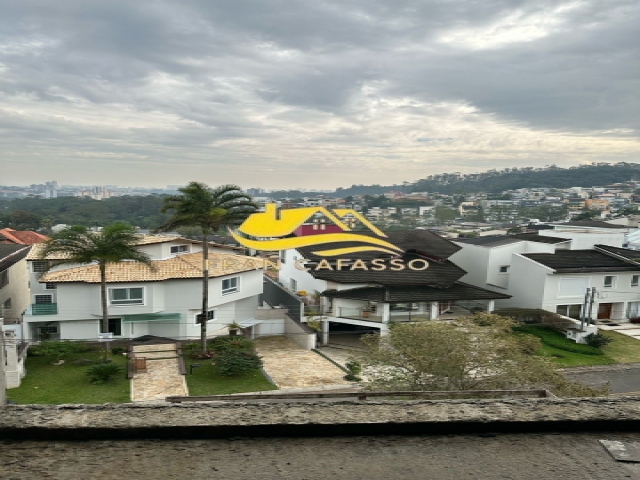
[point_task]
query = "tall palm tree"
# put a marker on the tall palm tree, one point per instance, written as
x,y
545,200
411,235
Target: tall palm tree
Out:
x,y
78,245
209,209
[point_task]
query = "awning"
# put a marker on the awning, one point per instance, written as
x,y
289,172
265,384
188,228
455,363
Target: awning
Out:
x,y
151,317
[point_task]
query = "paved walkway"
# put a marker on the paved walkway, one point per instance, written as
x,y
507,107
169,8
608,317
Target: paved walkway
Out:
x,y
629,329
162,377
291,366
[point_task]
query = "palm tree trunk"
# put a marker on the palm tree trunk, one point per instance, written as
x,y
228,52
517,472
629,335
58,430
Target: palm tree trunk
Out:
x,y
104,328
205,290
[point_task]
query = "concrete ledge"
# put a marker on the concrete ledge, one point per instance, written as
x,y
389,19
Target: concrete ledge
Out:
x,y
316,419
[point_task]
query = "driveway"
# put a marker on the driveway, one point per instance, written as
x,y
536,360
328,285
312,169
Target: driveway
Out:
x,y
623,378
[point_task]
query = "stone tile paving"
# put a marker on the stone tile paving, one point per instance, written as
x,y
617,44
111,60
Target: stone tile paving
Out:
x,y
629,329
291,366
162,377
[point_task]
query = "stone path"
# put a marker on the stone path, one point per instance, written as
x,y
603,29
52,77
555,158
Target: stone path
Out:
x,y
629,329
291,366
162,377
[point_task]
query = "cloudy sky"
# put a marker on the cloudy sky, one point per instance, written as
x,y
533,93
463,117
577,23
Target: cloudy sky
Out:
x,y
288,93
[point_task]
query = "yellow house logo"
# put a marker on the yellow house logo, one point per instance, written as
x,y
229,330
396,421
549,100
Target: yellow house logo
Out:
x,y
271,230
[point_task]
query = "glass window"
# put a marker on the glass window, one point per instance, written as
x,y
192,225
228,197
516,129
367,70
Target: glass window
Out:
x,y
177,249
126,296
294,285
571,311
50,286
4,278
504,269
40,266
43,298
211,315
609,281
230,285
635,280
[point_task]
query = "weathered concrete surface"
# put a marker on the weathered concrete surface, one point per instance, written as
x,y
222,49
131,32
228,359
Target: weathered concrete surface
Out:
x,y
444,457
282,419
162,378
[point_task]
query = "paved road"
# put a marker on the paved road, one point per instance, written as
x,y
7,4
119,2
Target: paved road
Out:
x,y
622,381
442,457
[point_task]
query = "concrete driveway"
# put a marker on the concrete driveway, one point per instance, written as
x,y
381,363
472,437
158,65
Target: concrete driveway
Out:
x,y
622,378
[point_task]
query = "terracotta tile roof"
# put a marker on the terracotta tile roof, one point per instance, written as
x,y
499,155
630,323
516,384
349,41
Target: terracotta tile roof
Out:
x,y
183,266
24,237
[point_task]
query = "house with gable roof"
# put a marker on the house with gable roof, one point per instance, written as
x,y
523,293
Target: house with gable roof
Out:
x,y
163,301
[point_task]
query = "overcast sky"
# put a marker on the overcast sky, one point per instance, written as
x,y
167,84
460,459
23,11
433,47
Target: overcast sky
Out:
x,y
312,93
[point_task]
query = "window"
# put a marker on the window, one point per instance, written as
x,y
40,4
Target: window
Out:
x,y
230,285
39,267
609,281
635,280
572,287
504,269
50,286
178,249
571,311
633,309
43,299
5,306
126,296
115,326
283,256
48,329
294,285
211,315
4,278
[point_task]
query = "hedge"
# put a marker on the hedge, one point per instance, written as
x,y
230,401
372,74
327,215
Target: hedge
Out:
x,y
550,337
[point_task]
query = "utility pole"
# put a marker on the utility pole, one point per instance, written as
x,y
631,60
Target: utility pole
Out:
x,y
593,299
584,309
3,375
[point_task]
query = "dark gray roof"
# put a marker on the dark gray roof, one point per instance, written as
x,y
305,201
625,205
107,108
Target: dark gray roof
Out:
x,y
416,293
11,254
423,241
439,274
591,224
633,255
498,240
580,261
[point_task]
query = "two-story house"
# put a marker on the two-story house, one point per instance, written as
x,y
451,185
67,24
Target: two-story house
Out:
x,y
163,300
540,271
14,282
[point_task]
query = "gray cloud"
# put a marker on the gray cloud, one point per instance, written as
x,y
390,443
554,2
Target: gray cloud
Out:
x,y
287,93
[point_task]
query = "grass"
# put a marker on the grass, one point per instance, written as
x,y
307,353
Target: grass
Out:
x,y
622,349
205,381
67,383
565,352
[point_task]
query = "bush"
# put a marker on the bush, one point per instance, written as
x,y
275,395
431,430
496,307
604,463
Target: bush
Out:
x,y
354,369
233,362
550,337
221,344
102,372
118,350
596,340
57,349
535,315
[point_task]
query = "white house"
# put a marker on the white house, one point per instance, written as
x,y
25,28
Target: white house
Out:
x,y
542,272
163,300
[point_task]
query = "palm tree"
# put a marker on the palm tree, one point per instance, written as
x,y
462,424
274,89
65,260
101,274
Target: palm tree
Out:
x,y
78,245
209,209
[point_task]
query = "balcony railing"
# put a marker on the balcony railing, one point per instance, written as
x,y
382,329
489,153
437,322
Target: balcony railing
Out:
x,y
44,309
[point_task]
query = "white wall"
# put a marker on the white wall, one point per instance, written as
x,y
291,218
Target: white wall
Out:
x,y
586,240
526,285
305,281
17,290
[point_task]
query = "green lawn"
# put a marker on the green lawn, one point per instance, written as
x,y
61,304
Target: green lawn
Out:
x,y
623,349
205,381
67,383
570,359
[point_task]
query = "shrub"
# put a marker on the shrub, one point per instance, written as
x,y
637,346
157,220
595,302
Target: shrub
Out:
x,y
102,372
354,369
57,349
233,362
550,337
596,340
118,350
221,344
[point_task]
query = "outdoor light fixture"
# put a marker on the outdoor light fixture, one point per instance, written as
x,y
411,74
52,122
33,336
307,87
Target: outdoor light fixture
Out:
x,y
192,366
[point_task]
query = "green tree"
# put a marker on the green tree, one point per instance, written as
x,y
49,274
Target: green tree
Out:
x,y
209,209
78,245
445,214
476,353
